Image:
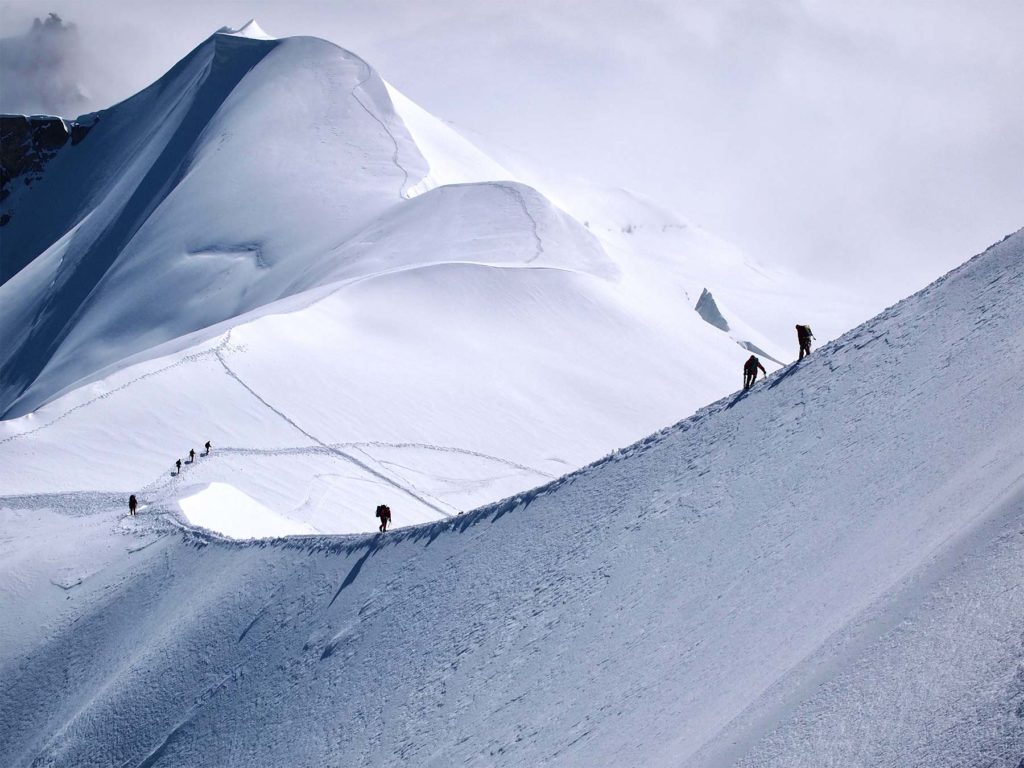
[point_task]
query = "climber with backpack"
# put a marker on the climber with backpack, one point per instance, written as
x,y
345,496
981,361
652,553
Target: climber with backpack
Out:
x,y
804,336
384,513
750,371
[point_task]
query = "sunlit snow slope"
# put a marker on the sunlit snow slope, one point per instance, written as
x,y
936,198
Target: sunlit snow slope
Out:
x,y
824,571
273,249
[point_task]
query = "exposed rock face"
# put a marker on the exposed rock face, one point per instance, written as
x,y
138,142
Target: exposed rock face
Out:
x,y
709,311
28,143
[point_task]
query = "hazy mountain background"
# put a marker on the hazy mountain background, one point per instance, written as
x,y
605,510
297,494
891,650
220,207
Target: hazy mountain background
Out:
x,y
872,143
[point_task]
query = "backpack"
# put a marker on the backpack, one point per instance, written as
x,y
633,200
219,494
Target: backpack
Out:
x,y
804,330
383,511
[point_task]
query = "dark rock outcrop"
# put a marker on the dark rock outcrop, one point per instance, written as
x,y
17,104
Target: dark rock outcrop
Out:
x,y
28,143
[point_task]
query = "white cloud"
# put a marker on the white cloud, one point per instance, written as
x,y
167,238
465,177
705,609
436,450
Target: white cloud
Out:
x,y
874,141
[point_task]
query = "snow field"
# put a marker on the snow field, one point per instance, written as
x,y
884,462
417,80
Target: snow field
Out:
x,y
821,571
318,262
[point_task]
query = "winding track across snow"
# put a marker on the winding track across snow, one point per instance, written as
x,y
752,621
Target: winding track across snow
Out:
x,y
414,493
518,196
380,444
366,78
190,358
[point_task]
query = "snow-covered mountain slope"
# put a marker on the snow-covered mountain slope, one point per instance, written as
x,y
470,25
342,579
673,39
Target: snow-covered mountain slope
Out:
x,y
822,571
273,249
238,169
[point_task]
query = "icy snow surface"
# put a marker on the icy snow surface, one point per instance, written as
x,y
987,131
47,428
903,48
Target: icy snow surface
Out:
x,y
824,571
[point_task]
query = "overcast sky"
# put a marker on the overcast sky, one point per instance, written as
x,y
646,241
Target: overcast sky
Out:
x,y
876,142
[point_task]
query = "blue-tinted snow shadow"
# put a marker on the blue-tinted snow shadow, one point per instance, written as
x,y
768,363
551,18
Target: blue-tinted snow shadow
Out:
x,y
353,573
741,395
782,375
77,282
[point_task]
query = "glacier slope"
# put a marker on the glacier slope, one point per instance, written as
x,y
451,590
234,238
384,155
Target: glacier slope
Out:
x,y
821,571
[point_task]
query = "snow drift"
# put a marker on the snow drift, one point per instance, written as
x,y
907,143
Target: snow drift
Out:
x,y
822,571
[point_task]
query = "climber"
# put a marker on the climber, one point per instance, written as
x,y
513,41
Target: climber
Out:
x,y
750,371
384,513
804,336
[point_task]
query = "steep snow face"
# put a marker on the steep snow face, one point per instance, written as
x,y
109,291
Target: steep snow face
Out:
x,y
203,196
824,570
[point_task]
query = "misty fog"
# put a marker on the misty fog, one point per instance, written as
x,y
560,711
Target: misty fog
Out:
x,y
874,143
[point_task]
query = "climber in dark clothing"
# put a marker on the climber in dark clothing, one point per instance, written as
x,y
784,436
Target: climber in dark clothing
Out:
x,y
133,504
804,336
191,455
384,513
750,371
208,447
177,465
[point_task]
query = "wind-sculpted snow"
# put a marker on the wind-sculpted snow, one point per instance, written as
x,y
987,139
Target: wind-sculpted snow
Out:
x,y
280,147
476,316
824,570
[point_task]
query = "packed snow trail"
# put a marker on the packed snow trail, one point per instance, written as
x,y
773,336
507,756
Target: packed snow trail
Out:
x,y
824,570
389,481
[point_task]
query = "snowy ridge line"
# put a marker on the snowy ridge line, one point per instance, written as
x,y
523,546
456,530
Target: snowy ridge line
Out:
x,y
581,591
413,492
824,356
997,519
77,289
394,157
518,195
381,444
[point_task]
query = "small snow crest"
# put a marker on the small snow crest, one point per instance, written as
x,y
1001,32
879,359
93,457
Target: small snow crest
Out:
x,y
250,29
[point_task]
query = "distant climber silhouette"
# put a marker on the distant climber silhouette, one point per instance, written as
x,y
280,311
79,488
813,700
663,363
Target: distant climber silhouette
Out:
x,y
191,455
750,371
803,337
384,513
133,504
177,466
208,447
